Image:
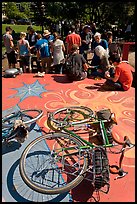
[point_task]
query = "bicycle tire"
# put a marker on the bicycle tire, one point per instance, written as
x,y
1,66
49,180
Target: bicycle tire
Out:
x,y
60,186
85,112
8,120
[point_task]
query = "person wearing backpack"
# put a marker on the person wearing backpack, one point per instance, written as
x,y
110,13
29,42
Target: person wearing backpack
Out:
x,y
76,65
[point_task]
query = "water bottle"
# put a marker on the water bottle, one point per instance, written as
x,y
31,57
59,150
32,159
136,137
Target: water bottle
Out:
x,y
83,126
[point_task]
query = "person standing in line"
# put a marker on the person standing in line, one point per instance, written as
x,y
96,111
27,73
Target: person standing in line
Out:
x,y
9,45
71,39
58,50
43,53
24,51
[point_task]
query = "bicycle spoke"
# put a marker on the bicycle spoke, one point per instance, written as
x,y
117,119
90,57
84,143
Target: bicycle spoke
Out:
x,y
49,166
70,116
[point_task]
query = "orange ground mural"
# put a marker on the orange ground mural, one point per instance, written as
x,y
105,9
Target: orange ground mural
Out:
x,y
54,91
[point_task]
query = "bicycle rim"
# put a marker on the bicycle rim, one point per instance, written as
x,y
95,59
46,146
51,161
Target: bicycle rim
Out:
x,y
71,115
28,116
46,168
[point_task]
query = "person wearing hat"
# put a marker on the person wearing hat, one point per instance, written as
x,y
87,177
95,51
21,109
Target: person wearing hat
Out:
x,y
43,53
24,51
50,38
98,41
86,40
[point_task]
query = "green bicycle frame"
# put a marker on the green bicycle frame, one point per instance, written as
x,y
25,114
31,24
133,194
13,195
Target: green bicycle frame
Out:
x,y
88,144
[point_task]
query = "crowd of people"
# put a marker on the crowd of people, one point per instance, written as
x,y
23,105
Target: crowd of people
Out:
x,y
52,54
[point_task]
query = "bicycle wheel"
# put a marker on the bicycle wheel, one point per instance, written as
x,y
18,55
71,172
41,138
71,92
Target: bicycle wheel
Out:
x,y
71,116
53,164
27,116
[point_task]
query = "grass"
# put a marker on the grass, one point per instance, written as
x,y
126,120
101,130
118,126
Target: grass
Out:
x,y
19,28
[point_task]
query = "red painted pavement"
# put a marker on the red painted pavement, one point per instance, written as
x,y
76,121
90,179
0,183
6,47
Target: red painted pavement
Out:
x,y
60,93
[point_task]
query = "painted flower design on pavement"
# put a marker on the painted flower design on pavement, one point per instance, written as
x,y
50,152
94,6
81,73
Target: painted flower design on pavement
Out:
x,y
28,90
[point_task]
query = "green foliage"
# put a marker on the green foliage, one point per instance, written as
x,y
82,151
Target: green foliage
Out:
x,y
47,12
12,12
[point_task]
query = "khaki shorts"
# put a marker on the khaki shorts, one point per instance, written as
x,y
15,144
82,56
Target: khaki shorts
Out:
x,y
46,63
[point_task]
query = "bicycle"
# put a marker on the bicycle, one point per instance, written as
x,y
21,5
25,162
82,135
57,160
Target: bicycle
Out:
x,y
15,125
57,162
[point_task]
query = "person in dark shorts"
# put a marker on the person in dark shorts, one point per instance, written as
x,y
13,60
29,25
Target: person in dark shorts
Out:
x,y
24,51
9,45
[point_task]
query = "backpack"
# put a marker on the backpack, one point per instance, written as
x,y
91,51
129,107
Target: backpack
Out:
x,y
73,71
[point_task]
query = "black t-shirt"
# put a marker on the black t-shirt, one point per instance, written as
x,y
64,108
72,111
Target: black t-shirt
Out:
x,y
87,37
32,38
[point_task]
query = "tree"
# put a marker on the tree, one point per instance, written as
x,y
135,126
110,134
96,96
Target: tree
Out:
x,y
12,12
